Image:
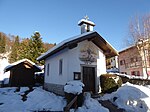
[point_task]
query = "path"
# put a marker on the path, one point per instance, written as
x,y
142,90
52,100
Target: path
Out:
x,y
112,108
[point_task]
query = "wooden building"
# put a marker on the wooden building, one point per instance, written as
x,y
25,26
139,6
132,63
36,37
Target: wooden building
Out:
x,y
22,73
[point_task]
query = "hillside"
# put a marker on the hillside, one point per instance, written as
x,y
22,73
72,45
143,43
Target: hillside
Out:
x,y
3,64
20,48
14,48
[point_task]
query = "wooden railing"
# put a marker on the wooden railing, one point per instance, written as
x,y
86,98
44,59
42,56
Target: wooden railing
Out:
x,y
73,101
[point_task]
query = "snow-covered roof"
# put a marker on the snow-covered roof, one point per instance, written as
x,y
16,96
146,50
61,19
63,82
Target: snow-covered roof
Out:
x,y
61,44
18,62
113,70
86,21
76,39
139,42
124,49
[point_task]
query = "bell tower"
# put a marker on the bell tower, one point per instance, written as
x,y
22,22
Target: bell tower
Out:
x,y
86,25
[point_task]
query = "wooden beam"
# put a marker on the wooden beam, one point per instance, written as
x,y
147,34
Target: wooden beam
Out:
x,y
71,46
91,39
67,108
107,52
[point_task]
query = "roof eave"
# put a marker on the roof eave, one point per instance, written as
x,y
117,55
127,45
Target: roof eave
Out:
x,y
7,68
67,44
51,53
109,51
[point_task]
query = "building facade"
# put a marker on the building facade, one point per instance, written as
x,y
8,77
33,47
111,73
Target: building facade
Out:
x,y
78,58
112,63
134,61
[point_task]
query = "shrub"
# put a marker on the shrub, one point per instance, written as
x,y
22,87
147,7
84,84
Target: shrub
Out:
x,y
110,82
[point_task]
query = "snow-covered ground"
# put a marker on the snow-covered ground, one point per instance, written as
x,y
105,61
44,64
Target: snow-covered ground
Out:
x,y
41,100
91,105
3,64
132,98
38,99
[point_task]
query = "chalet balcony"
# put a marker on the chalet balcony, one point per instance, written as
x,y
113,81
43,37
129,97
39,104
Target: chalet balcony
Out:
x,y
133,65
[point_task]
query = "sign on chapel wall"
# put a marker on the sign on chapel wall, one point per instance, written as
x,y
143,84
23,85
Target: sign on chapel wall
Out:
x,y
88,53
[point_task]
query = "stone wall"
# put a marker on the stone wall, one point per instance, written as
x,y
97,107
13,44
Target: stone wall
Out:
x,y
55,88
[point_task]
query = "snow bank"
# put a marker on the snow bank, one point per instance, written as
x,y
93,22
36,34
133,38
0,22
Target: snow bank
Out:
x,y
37,100
91,105
130,76
132,98
6,80
3,64
10,101
40,100
74,87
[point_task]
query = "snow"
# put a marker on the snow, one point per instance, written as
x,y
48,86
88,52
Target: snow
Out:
x,y
39,73
37,100
74,87
6,80
129,76
137,77
91,105
41,100
86,21
23,89
20,61
126,48
3,64
63,43
112,70
116,79
132,98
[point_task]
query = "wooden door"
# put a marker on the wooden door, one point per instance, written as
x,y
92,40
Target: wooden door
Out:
x,y
89,78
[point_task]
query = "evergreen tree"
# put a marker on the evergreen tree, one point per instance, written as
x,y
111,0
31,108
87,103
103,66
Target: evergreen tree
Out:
x,y
48,46
29,48
36,47
23,51
14,51
2,42
8,44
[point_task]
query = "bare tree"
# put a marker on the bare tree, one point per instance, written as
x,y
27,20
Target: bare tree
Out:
x,y
139,30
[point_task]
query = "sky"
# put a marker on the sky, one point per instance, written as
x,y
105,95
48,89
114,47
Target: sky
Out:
x,y
57,20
